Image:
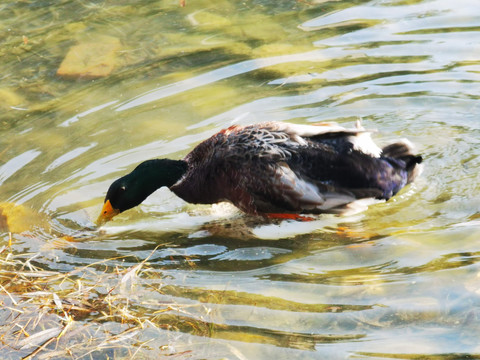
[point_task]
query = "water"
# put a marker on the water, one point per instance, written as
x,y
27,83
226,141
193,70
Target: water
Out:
x,y
401,280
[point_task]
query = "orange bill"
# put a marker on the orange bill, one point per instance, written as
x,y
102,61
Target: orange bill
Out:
x,y
108,212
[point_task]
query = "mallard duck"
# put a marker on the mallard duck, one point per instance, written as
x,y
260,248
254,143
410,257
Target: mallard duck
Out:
x,y
275,168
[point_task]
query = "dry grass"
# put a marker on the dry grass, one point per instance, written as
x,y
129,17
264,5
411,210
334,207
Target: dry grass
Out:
x,y
82,314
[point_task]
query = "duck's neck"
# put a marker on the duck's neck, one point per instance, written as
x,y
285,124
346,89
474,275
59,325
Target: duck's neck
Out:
x,y
154,174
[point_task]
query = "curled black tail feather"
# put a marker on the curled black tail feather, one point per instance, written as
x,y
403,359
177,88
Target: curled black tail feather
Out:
x,y
398,150
403,150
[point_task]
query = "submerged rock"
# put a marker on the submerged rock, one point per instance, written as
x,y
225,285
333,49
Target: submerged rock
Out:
x,y
210,20
18,218
10,99
90,60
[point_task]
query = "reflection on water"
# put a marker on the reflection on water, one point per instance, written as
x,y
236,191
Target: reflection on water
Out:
x,y
398,281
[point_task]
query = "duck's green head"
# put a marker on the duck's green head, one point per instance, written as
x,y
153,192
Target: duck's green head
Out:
x,y
131,189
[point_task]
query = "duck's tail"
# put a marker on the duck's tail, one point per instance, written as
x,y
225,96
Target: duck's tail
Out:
x,y
404,150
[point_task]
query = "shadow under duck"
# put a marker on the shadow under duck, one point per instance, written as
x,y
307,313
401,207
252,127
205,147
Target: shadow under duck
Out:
x,y
275,168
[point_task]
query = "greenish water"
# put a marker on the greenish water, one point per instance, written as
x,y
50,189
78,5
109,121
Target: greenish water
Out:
x,y
401,280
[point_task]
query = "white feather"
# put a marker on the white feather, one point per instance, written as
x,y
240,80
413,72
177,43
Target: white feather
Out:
x,y
363,142
335,200
360,137
360,205
314,130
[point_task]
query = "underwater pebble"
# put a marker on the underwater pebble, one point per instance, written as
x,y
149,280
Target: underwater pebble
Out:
x,y
90,60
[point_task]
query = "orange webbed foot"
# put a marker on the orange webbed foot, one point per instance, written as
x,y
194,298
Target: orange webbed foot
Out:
x,y
285,216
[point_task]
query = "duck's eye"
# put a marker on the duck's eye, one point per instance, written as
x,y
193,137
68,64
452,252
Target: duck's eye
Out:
x,y
123,188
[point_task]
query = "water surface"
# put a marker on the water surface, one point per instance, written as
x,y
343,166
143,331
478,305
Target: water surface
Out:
x,y
398,281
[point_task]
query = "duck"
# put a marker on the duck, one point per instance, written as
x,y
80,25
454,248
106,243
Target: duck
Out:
x,y
275,169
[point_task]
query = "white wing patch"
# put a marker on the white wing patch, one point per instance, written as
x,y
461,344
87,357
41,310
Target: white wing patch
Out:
x,y
359,137
314,130
363,142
